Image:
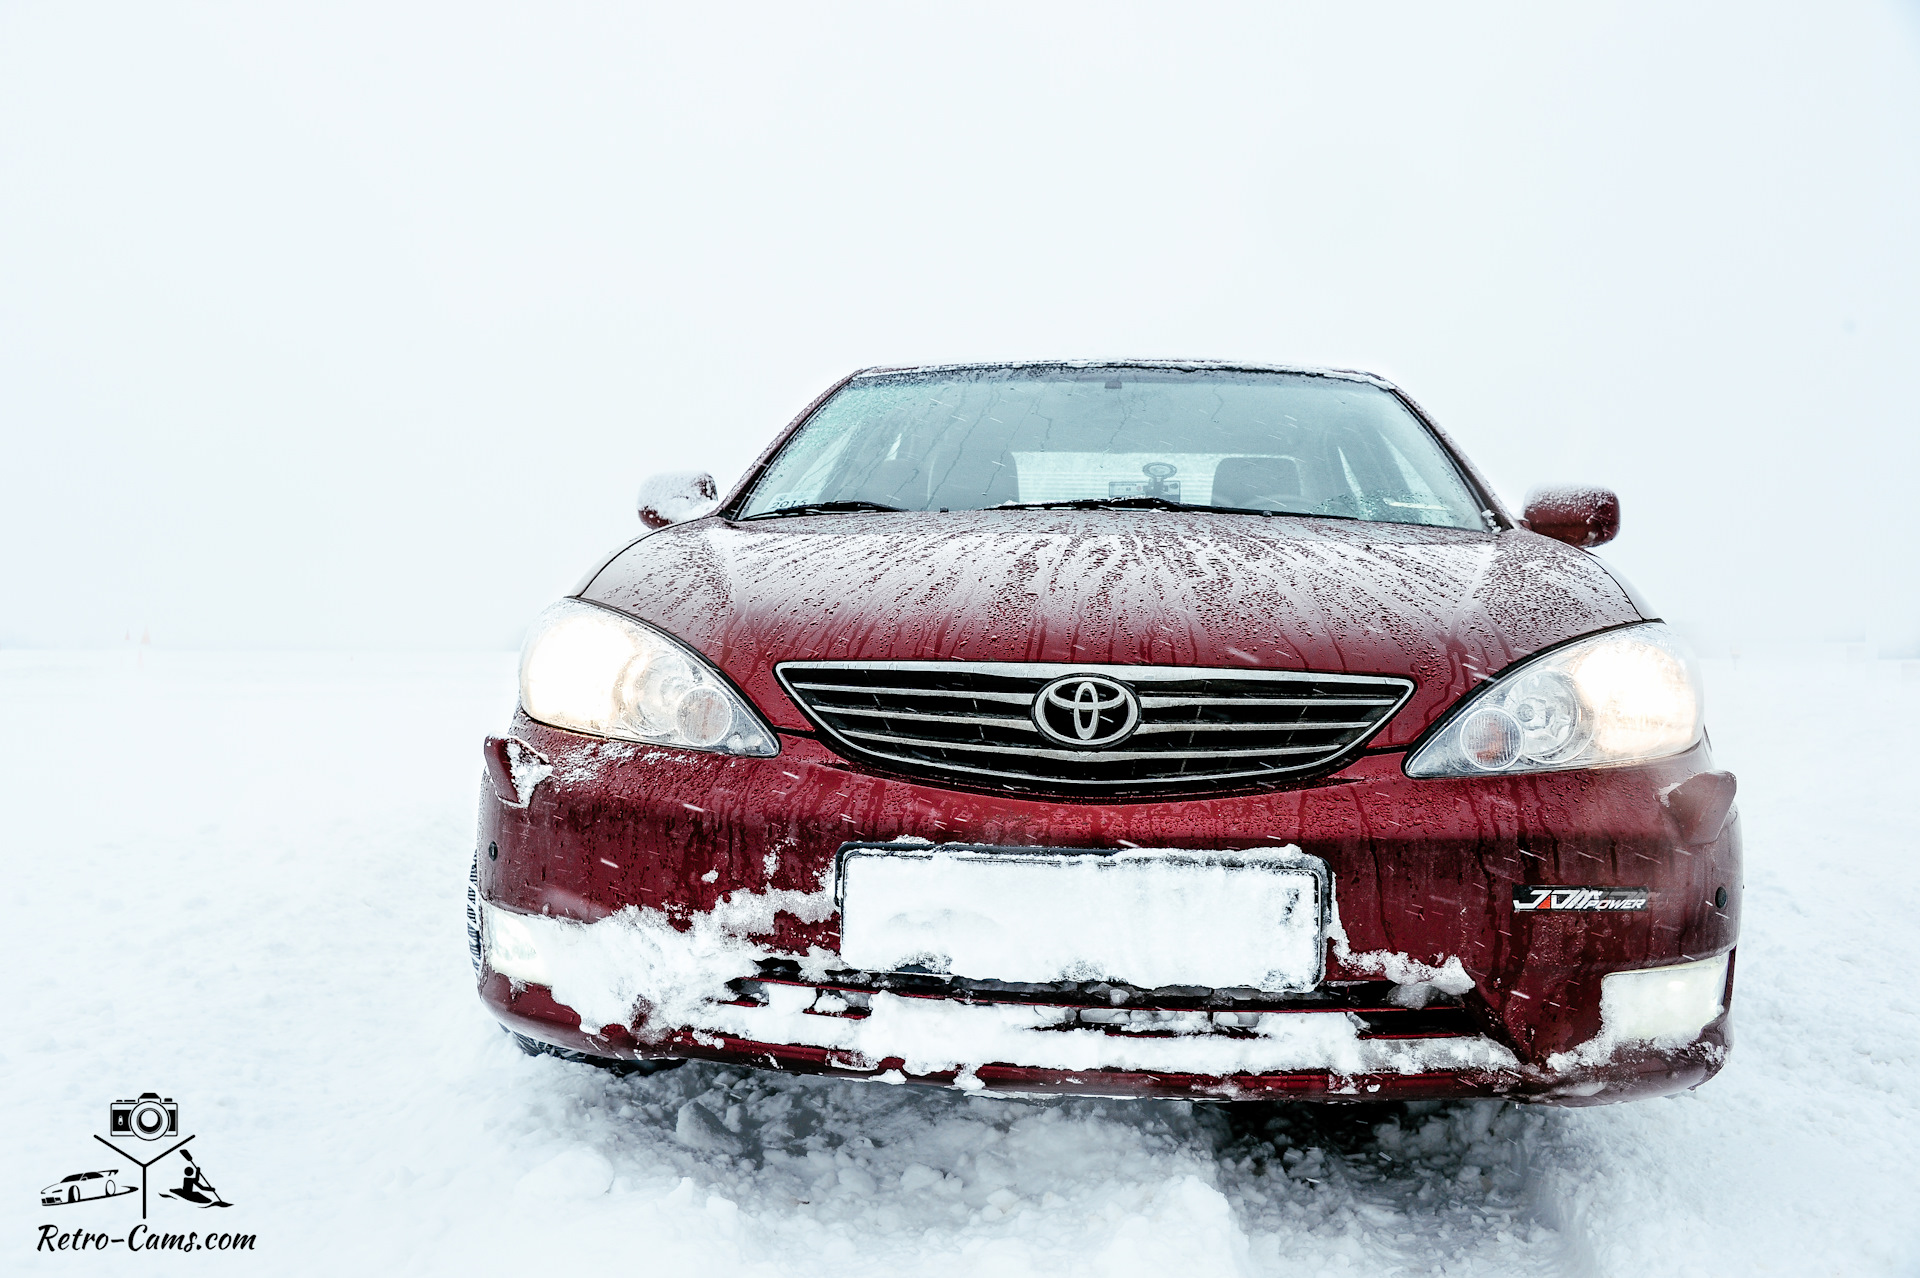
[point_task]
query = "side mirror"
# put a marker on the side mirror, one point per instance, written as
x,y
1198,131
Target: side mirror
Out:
x,y
1578,516
676,496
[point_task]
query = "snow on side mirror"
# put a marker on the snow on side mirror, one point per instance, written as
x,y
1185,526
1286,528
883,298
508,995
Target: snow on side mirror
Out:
x,y
675,496
1578,516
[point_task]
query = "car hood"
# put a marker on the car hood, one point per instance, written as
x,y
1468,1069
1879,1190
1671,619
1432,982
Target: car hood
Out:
x,y
1444,606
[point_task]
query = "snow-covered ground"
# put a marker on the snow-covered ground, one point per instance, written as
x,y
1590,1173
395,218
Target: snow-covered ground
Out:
x,y
236,880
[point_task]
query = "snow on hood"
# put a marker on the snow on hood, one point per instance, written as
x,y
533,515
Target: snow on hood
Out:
x,y
1444,606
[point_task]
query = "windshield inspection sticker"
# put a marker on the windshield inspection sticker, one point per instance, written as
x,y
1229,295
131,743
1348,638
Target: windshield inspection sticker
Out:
x,y
1546,897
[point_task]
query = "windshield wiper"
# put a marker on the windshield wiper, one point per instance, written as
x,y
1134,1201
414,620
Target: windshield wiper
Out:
x,y
1141,502
825,508
1145,502
1100,503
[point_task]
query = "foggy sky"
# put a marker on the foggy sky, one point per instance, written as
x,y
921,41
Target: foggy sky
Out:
x,y
359,325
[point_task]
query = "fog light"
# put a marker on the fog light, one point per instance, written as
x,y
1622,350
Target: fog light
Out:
x,y
1662,1004
510,947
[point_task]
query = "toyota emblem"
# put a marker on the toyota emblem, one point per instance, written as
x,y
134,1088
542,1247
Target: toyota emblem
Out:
x,y
1087,712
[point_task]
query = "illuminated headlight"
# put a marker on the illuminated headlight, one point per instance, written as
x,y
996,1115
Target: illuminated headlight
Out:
x,y
511,950
1662,1004
592,670
1622,697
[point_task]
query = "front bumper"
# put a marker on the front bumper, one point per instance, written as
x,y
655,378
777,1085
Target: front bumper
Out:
x,y
694,897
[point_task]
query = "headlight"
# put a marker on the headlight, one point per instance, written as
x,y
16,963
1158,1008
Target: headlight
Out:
x,y
1621,697
592,670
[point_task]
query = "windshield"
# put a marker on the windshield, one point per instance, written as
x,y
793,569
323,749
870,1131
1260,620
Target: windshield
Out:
x,y
978,438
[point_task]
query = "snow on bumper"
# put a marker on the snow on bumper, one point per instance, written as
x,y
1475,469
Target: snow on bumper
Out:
x,y
635,972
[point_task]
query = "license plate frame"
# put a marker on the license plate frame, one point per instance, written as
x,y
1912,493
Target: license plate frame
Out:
x,y
1059,894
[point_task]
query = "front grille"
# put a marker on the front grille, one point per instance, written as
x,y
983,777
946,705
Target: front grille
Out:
x,y
974,722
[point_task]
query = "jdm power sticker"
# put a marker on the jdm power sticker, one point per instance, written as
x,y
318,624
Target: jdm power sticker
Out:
x,y
1534,897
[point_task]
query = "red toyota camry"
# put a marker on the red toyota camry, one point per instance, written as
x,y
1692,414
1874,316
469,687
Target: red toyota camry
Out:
x,y
1134,728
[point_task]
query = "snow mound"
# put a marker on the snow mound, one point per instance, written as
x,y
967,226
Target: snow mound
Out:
x,y
580,1172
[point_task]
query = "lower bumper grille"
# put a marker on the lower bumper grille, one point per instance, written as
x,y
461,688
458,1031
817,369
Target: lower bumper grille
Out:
x,y
1149,1012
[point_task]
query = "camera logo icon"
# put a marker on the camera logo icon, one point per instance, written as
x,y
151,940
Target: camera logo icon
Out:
x,y
149,1117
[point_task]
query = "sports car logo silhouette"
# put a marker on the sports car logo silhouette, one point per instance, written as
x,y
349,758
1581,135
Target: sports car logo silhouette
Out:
x,y
84,1185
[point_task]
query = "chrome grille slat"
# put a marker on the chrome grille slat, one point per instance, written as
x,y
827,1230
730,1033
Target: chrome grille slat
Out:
x,y
1250,726
1159,703
1117,756
1022,724
1016,698
1198,727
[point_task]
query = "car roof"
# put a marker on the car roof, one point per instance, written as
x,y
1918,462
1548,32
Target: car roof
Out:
x,y
1188,365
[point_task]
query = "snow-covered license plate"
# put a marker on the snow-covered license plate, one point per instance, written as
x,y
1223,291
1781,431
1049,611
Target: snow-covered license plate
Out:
x,y
1145,917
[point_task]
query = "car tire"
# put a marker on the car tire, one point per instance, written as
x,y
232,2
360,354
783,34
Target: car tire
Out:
x,y
473,914
533,1046
1284,1124
73,1193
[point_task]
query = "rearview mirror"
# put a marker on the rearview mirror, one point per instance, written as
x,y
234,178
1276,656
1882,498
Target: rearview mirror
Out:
x,y
675,496
1578,516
